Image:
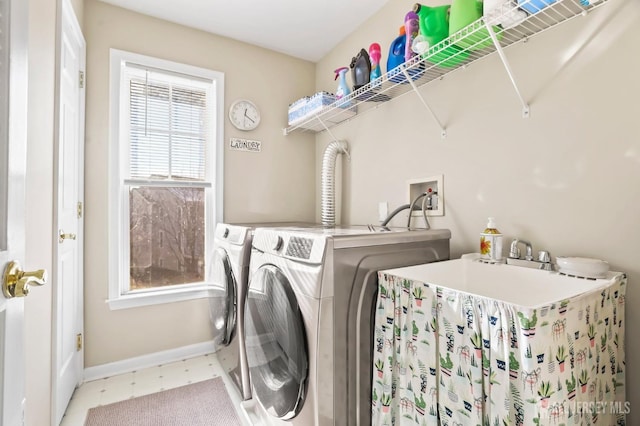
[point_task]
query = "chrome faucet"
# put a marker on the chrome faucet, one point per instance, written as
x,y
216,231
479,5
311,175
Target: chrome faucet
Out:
x,y
514,251
543,261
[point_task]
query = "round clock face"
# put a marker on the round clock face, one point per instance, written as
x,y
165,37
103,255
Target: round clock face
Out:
x,y
244,115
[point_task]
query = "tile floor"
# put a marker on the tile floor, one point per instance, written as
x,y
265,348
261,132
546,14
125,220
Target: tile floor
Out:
x,y
143,382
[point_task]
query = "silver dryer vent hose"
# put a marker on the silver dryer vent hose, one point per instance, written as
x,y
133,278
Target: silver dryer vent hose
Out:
x,y
328,206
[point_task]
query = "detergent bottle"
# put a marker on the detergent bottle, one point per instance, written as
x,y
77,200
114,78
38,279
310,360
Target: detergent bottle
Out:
x,y
396,58
411,29
360,69
375,55
396,52
434,27
433,22
343,89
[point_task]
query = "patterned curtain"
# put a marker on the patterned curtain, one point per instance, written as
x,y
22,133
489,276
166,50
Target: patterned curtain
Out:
x,y
443,357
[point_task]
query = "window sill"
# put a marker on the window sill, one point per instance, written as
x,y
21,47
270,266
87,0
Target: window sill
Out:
x,y
159,297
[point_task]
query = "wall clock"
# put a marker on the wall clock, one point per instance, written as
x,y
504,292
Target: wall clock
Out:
x,y
244,115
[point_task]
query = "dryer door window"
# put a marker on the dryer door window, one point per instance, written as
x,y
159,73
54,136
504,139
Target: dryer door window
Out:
x,y
223,304
275,343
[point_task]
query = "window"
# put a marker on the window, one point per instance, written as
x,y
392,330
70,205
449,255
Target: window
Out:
x,y
166,178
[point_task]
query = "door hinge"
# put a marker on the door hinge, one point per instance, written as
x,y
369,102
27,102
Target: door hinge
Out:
x,y
79,342
81,79
79,209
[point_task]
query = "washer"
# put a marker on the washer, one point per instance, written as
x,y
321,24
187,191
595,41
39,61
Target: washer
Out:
x,y
230,267
309,317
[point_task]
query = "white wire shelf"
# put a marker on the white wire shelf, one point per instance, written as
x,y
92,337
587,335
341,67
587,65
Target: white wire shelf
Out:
x,y
444,58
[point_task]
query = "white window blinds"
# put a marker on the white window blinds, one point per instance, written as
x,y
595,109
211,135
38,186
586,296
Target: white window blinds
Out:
x,y
168,124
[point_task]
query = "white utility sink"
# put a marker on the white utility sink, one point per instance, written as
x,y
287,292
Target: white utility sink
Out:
x,y
512,284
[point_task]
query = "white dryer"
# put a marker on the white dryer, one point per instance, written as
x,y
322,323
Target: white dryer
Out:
x,y
309,317
230,279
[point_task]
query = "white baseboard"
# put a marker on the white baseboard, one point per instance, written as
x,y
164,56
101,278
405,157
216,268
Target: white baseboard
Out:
x,y
149,360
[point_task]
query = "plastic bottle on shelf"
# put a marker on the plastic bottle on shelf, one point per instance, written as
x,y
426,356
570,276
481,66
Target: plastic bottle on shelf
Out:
x,y
491,242
433,22
396,51
411,30
375,55
343,88
434,27
396,57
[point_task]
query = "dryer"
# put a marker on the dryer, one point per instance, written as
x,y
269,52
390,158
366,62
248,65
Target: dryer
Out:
x,y
230,278
309,317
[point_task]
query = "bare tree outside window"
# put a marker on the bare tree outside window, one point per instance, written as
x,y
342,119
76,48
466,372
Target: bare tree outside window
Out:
x,y
176,213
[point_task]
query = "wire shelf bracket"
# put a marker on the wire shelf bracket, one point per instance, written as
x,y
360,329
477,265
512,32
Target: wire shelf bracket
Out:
x,y
443,131
507,67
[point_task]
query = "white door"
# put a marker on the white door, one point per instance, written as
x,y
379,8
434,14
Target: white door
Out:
x,y
69,170
13,144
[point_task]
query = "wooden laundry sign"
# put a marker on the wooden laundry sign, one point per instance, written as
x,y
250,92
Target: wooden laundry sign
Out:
x,y
238,144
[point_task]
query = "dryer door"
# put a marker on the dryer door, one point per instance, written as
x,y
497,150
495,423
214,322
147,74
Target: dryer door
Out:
x,y
223,304
275,343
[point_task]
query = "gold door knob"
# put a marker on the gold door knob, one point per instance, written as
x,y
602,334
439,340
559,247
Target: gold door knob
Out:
x,y
62,236
15,281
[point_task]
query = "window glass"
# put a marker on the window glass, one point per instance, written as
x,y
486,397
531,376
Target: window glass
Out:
x,y
166,248
165,198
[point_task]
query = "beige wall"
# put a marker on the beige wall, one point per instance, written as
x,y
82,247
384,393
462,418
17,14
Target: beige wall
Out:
x,y
567,179
276,184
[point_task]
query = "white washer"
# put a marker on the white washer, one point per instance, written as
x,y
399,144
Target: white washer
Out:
x,y
309,317
231,254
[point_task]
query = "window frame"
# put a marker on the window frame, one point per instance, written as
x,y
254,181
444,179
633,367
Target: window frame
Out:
x,y
118,199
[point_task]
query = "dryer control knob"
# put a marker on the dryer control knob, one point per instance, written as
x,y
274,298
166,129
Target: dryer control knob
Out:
x,y
279,242
225,234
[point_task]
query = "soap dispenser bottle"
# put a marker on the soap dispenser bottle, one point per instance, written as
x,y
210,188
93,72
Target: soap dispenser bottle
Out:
x,y
491,242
